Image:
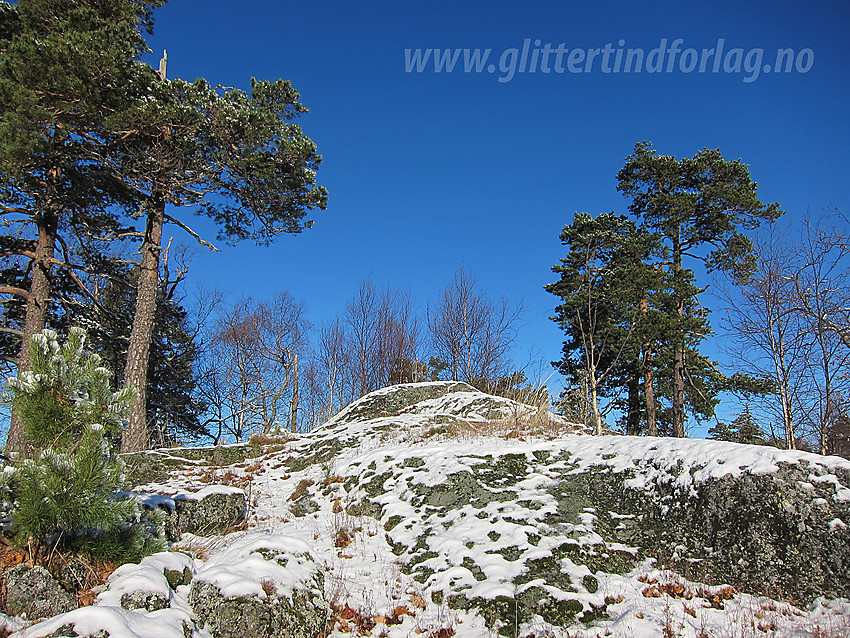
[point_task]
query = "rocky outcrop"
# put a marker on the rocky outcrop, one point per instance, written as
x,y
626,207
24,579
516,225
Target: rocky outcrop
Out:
x,y
155,466
469,506
34,593
557,515
210,511
257,586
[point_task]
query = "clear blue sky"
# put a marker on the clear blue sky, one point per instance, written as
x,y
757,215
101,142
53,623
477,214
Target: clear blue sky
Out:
x,y
428,172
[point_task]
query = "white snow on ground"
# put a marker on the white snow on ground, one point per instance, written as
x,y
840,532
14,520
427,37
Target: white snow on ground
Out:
x,y
239,569
362,572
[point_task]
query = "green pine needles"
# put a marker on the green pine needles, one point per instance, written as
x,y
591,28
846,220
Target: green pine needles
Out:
x,y
67,495
67,393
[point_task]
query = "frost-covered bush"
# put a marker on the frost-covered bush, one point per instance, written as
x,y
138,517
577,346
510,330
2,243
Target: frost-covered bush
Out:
x,y
68,495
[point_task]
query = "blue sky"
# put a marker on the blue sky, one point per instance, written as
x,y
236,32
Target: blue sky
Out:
x,y
428,172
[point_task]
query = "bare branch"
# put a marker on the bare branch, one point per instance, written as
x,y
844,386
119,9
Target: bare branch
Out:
x,y
18,292
197,237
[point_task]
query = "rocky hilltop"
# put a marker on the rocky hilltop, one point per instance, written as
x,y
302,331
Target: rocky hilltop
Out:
x,y
433,509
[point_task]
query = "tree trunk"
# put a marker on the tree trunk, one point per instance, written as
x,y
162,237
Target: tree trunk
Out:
x,y
679,389
36,315
633,415
678,344
649,391
294,406
136,369
594,404
826,416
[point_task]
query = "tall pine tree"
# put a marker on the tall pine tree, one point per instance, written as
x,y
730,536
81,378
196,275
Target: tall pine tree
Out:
x,y
234,156
603,288
698,207
66,67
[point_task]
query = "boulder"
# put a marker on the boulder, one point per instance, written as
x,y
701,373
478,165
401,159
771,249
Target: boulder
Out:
x,y
155,466
151,585
262,586
34,593
529,530
211,511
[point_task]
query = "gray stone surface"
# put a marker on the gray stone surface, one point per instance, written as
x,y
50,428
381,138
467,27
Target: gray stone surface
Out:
x,y
210,515
33,592
304,614
780,534
154,466
147,600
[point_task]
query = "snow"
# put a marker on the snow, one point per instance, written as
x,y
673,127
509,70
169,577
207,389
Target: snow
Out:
x,y
239,569
118,622
366,575
147,576
183,495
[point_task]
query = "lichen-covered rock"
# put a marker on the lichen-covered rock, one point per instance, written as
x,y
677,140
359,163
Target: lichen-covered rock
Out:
x,y
421,411
781,534
149,586
261,586
392,400
175,577
514,533
33,592
75,575
114,622
211,511
147,600
251,617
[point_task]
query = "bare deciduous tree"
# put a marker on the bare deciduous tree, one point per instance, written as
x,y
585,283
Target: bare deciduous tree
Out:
x,y
254,348
333,363
383,334
770,336
821,280
791,323
472,333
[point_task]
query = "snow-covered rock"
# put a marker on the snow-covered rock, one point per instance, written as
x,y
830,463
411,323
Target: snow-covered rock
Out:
x,y
261,586
208,511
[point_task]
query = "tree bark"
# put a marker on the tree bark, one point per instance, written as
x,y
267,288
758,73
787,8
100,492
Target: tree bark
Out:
x,y
826,415
38,304
679,344
135,438
649,392
294,405
633,415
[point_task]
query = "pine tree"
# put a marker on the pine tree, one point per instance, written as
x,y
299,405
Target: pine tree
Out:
x,y
66,67
743,429
697,206
603,287
235,156
172,405
721,432
106,313
747,430
65,496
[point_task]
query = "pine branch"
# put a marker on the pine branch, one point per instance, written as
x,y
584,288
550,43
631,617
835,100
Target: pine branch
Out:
x,y
12,290
197,237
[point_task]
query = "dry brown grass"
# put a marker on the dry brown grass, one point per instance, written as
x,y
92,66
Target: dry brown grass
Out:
x,y
258,438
